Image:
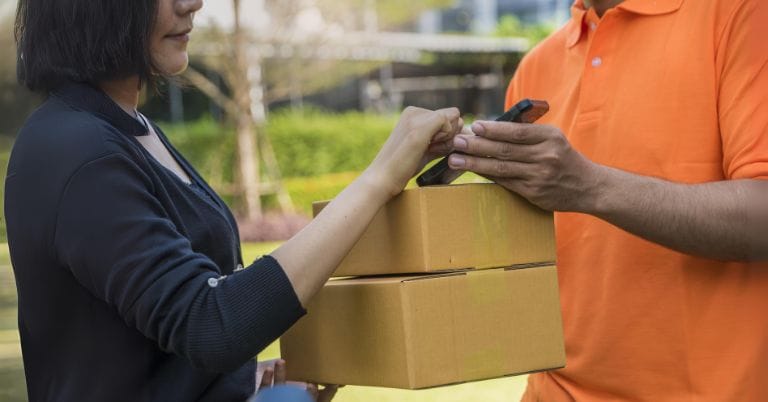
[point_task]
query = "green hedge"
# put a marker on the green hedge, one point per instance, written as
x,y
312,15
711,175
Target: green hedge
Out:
x,y
306,190
209,146
314,143
316,150
319,153
6,143
308,143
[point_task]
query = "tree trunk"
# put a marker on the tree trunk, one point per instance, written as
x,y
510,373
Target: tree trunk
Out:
x,y
248,158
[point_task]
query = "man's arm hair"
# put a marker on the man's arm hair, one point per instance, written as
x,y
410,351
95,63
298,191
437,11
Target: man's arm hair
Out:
x,y
726,220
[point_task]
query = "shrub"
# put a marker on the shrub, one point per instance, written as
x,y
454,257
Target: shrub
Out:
x,y
322,148
210,147
5,153
306,190
313,143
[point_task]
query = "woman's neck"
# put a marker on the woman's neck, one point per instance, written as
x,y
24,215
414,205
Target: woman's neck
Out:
x,y
124,92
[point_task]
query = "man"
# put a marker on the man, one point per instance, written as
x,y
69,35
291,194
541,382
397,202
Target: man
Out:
x,y
655,156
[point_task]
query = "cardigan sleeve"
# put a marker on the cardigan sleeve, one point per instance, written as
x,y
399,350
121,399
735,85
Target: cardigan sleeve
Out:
x,y
119,243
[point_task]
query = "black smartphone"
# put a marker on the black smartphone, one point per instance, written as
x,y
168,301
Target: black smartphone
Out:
x,y
525,111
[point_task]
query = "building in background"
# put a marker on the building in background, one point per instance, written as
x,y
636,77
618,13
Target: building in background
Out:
x,y
450,56
481,16
472,76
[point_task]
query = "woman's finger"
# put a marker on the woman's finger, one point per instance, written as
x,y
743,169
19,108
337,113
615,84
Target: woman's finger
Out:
x,y
280,372
440,148
441,136
454,121
313,391
327,394
267,379
431,124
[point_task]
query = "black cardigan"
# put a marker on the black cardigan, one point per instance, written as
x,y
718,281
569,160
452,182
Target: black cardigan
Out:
x,y
127,280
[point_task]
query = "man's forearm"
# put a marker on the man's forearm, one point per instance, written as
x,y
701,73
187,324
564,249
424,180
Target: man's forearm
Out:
x,y
725,220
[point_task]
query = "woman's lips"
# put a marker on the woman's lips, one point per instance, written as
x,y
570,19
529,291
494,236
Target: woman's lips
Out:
x,y
181,36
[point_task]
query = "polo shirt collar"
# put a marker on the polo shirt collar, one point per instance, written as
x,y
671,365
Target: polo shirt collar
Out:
x,y
576,26
650,7
93,100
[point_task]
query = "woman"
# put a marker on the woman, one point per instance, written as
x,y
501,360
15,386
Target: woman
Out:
x,y
126,261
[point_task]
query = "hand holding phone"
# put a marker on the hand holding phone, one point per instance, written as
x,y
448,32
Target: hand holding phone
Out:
x,y
525,111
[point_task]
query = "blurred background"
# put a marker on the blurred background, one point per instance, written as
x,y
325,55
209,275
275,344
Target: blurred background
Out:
x,y
285,102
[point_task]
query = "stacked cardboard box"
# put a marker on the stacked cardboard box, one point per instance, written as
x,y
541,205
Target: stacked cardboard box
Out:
x,y
448,284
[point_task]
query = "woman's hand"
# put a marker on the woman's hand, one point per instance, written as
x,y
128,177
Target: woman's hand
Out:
x,y
271,373
323,395
309,258
420,136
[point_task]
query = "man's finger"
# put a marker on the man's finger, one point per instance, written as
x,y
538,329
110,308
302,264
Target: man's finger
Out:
x,y
490,167
517,133
513,185
480,146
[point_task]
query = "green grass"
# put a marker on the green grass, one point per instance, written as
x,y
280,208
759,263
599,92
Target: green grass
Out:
x,y
12,384
13,389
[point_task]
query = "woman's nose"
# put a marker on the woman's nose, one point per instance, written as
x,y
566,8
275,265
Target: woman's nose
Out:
x,y
188,6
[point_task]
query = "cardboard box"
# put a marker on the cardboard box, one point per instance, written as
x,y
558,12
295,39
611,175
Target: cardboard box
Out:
x,y
439,228
424,331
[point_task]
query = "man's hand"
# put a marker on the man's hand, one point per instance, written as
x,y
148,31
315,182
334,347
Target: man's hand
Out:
x,y
535,161
724,220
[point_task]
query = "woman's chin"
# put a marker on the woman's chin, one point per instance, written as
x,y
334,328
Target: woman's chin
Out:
x,y
174,66
179,70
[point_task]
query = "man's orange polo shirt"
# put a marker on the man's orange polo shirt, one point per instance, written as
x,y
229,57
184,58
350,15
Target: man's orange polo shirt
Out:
x,y
675,89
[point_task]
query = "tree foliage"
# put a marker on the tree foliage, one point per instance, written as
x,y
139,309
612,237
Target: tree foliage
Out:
x,y
15,102
511,26
390,13
284,76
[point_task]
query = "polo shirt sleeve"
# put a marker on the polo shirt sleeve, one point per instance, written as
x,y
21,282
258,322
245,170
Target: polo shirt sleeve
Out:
x,y
742,65
118,242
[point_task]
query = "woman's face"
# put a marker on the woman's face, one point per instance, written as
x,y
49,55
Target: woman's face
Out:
x,y
168,41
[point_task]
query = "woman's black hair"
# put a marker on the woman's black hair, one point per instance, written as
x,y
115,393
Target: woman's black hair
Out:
x,y
83,41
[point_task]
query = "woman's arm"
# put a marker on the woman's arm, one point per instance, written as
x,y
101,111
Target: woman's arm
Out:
x,y
117,240
311,256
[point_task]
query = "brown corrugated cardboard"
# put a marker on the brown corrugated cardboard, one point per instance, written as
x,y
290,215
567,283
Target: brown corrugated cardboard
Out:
x,y
425,331
451,227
